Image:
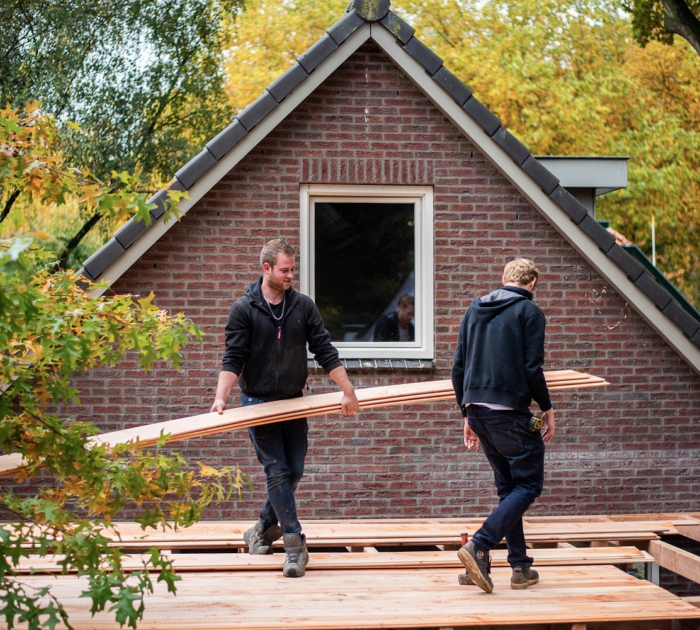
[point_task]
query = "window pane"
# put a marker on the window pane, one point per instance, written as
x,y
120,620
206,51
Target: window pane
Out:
x,y
364,262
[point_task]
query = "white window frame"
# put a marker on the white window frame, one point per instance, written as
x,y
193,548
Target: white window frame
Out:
x,y
422,197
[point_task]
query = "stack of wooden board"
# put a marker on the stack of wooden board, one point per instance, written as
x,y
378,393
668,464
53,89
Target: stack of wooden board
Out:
x,y
320,404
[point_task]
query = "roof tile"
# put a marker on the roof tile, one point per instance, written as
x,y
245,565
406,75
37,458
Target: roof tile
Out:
x,y
482,115
159,199
423,55
684,320
394,24
598,233
511,145
541,174
176,184
310,59
227,139
103,258
654,290
345,27
257,110
284,84
371,10
130,231
628,263
452,85
696,339
195,168
569,204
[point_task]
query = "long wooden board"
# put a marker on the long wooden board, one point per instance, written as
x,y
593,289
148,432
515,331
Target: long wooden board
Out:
x,y
320,404
384,598
201,561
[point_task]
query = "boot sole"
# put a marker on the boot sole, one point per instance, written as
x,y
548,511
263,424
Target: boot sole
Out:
x,y
294,573
474,572
522,587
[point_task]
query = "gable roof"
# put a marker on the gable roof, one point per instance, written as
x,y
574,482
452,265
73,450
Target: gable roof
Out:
x,y
373,20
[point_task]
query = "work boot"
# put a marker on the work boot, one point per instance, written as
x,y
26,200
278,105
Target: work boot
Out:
x,y
297,555
478,565
259,539
523,577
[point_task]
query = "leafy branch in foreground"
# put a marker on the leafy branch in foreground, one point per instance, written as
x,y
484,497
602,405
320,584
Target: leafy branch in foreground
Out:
x,y
51,327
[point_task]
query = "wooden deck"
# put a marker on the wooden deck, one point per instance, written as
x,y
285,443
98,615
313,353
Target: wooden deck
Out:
x,y
379,574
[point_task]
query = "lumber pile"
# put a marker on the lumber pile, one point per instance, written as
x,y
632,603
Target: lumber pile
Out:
x,y
317,405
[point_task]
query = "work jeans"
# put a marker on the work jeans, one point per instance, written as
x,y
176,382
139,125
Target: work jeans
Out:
x,y
516,455
281,449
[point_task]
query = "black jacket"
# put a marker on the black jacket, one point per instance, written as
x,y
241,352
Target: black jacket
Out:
x,y
387,328
270,356
500,352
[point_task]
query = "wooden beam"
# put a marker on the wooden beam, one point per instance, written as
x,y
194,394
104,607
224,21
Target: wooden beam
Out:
x,y
689,531
674,559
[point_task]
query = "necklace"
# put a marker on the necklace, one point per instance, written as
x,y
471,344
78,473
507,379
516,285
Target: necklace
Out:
x,y
284,303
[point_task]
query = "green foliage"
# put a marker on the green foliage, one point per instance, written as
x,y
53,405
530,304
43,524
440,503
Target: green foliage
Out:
x,y
648,19
53,326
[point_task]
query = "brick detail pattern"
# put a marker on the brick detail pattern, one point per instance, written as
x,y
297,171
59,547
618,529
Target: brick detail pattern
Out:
x,y
633,447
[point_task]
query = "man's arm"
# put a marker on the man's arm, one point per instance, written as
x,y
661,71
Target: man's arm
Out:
x,y
348,403
223,390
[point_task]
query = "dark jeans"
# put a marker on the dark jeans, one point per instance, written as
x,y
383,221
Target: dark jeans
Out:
x,y
281,449
516,455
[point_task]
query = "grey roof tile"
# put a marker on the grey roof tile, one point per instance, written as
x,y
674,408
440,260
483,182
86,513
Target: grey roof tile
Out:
x,y
569,204
310,59
541,174
83,282
482,115
345,27
257,110
696,339
103,258
195,168
654,290
423,55
511,145
284,84
371,10
452,85
394,24
684,320
221,144
176,184
84,272
598,233
130,231
628,263
159,199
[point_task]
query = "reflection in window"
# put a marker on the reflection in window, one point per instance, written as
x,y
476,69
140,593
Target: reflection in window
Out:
x,y
364,263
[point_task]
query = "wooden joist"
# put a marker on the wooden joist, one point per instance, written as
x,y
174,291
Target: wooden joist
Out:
x,y
320,404
674,559
201,561
386,598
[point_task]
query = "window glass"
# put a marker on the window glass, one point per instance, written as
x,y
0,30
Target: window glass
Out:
x,y
363,266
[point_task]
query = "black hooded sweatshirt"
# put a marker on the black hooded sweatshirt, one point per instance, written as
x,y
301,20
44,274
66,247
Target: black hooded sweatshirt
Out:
x,y
500,352
269,356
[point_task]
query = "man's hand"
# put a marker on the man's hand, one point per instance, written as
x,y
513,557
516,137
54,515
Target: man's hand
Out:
x,y
218,406
548,427
471,441
349,403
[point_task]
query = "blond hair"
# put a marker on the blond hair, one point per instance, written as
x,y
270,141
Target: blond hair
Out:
x,y
272,249
520,271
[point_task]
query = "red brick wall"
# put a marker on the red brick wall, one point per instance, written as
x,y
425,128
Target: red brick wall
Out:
x,y
633,447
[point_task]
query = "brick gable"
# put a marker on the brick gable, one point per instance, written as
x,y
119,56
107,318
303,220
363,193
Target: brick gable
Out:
x,y
633,447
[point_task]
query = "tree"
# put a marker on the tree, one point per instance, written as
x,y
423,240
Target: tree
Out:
x,y
660,20
51,327
564,77
143,79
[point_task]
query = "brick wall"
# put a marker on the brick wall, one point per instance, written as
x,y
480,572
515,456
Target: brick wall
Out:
x,y
634,447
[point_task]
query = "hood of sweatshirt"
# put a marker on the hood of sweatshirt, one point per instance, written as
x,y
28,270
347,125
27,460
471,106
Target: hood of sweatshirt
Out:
x,y
493,304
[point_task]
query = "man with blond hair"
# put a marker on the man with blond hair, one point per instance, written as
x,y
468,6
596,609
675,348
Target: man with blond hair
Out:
x,y
267,334
497,373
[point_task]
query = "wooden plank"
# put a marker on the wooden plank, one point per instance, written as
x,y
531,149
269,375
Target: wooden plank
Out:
x,y
320,404
689,530
330,600
674,559
362,560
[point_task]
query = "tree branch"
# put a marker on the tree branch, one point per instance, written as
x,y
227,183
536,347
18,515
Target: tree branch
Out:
x,y
679,20
79,236
8,205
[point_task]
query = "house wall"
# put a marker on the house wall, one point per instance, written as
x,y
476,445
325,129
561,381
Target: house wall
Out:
x,y
633,447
